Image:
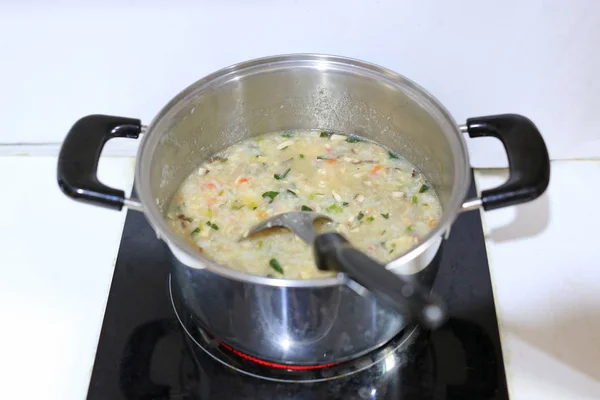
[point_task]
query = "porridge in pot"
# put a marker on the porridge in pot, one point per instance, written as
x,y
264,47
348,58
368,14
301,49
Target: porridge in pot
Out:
x,y
377,199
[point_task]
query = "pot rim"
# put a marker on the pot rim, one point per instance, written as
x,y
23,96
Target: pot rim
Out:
x,y
190,257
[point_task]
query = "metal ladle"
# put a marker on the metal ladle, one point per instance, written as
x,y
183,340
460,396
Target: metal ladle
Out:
x,y
334,253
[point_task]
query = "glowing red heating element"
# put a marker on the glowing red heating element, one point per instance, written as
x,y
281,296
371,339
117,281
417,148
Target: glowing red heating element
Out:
x,y
275,365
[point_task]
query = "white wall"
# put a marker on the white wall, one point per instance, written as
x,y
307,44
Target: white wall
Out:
x,y
61,61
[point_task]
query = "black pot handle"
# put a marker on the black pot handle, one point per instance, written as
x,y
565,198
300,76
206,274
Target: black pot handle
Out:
x,y
408,297
528,159
80,153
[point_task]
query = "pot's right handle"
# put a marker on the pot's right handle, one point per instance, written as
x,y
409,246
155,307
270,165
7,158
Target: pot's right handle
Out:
x,y
528,160
79,156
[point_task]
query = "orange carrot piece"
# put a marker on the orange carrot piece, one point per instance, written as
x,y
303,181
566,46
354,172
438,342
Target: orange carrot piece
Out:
x,y
242,180
262,214
376,169
331,161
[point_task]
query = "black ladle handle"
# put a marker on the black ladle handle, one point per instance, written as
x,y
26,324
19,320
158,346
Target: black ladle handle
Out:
x,y
334,252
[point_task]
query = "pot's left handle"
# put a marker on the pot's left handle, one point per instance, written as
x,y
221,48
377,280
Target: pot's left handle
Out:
x,y
79,156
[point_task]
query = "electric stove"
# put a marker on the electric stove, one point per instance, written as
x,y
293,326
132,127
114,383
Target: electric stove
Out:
x,y
151,348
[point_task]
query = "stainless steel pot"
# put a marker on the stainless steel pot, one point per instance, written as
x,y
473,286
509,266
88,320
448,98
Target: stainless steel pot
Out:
x,y
299,321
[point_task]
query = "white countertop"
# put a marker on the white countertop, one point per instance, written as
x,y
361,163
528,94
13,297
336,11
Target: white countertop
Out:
x,y
57,260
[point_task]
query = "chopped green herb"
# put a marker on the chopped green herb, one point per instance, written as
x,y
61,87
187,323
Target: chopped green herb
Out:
x,y
392,155
335,208
383,231
270,276
188,219
222,192
213,226
271,195
425,205
195,231
254,208
292,193
353,139
423,188
326,134
360,215
414,199
260,244
371,218
301,155
306,208
386,215
345,204
393,248
287,134
237,205
275,265
313,196
409,228
322,158
283,174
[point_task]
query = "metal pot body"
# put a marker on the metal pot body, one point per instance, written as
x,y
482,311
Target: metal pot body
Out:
x,y
290,325
292,321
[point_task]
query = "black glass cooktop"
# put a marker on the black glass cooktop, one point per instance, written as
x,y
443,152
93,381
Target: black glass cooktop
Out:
x,y
150,348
